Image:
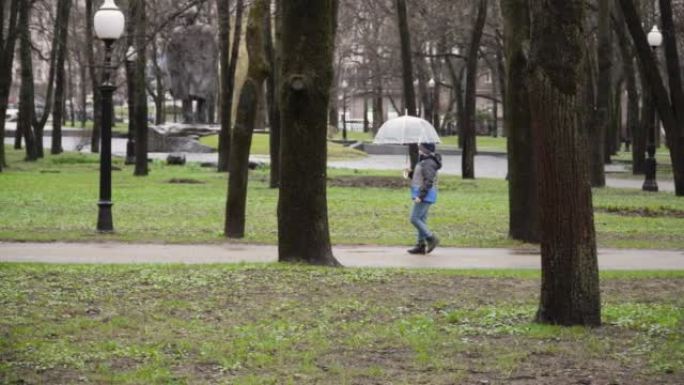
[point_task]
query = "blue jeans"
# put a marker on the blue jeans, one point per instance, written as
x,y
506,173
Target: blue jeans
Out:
x,y
419,220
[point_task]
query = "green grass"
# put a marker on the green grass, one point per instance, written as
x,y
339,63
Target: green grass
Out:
x,y
261,146
55,199
289,324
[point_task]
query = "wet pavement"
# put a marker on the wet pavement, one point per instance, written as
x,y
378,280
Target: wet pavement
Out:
x,y
350,256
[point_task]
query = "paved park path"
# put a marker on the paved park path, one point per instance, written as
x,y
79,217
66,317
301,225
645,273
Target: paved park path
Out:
x,y
352,256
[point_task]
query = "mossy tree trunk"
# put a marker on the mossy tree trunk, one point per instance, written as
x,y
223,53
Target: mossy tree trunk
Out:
x,y
468,131
251,93
306,74
523,196
272,95
570,281
228,77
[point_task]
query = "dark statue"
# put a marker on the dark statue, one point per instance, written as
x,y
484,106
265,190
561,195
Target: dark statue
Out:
x,y
191,58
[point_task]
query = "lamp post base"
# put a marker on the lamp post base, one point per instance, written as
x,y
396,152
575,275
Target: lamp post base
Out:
x,y
130,152
105,223
650,183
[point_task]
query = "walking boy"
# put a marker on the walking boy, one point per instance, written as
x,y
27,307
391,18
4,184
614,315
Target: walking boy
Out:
x,y
424,194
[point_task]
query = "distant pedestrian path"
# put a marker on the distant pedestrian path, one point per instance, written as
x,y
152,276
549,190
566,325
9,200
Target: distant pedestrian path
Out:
x,y
351,256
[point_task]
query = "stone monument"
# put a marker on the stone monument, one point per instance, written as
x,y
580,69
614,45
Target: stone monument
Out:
x,y
191,60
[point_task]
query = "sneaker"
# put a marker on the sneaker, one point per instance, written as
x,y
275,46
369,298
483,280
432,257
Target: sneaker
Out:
x,y
419,248
432,242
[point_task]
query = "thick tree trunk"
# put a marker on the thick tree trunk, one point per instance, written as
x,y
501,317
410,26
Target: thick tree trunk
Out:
x,y
90,57
8,39
570,281
64,6
469,142
272,95
252,92
306,73
522,163
140,92
601,121
228,85
26,93
407,71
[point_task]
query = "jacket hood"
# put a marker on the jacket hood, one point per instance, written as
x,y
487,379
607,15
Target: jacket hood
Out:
x,y
437,158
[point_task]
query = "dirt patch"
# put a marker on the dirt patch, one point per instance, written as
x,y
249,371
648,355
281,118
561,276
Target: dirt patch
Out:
x,y
642,212
369,181
185,181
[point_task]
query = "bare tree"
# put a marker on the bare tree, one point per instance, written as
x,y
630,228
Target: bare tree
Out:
x,y
228,68
140,93
468,132
670,105
8,37
63,8
26,94
407,71
251,93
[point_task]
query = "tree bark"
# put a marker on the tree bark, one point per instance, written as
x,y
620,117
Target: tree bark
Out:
x,y
252,92
63,8
570,281
468,132
90,57
228,83
407,71
523,193
601,121
306,75
223,9
140,93
8,38
26,93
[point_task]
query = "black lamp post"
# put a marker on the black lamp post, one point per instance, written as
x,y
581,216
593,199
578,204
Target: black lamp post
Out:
x,y
109,26
345,85
655,38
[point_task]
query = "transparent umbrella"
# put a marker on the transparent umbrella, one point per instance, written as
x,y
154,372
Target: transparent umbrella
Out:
x,y
406,130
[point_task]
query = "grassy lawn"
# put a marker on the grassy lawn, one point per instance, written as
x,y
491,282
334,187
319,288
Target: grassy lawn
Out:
x,y
261,146
273,324
55,199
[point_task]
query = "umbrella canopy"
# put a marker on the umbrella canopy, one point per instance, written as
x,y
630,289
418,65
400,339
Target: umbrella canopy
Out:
x,y
406,130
